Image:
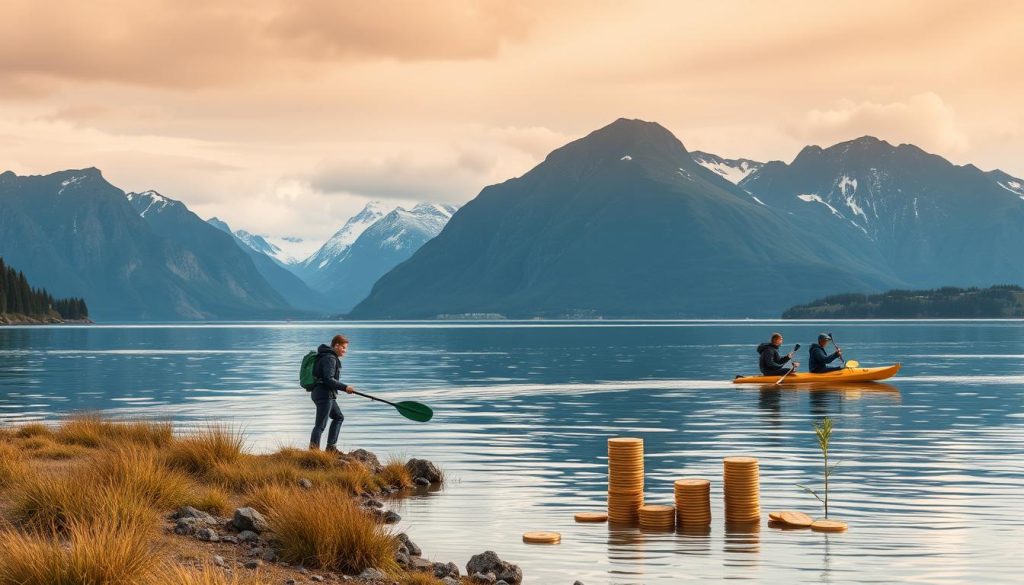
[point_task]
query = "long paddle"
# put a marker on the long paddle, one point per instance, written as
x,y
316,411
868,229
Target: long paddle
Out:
x,y
409,409
839,349
795,347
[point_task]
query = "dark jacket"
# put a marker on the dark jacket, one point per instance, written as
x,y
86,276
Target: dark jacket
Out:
x,y
819,360
770,361
327,371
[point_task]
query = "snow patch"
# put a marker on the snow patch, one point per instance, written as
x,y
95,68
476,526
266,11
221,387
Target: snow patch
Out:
x,y
68,182
759,201
734,173
1012,186
845,182
915,208
627,157
816,198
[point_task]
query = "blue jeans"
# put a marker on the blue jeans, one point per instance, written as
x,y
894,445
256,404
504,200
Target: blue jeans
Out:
x,y
325,409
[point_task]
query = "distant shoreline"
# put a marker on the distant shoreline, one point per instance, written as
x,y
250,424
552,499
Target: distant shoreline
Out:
x,y
19,319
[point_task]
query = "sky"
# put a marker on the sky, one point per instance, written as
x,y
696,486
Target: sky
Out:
x,y
284,117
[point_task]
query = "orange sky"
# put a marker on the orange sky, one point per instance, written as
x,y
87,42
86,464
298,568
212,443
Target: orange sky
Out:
x,y
258,111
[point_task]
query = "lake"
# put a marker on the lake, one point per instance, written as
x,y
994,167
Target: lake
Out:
x,y
931,478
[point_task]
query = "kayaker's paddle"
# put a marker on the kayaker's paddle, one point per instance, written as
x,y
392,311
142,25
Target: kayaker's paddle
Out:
x,y
853,364
409,409
845,365
795,347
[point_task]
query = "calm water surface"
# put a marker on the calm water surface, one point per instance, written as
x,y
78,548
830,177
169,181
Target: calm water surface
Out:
x,y
931,479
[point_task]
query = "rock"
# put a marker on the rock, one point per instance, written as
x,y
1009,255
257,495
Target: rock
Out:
x,y
488,562
373,574
185,526
369,460
450,581
502,582
249,519
207,535
420,480
316,578
442,570
253,564
577,583
402,559
483,578
289,582
248,536
425,469
409,544
228,538
420,564
190,512
219,560
255,552
305,483
391,517
373,503
269,555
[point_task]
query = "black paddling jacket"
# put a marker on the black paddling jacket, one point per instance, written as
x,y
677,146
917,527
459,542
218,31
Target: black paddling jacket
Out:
x,y
327,371
819,359
770,360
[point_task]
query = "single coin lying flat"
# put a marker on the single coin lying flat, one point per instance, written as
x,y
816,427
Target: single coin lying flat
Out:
x,y
798,519
542,537
822,525
591,517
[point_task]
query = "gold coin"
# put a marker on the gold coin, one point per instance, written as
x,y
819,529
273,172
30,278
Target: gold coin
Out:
x,y
591,517
796,519
740,460
776,516
625,441
542,537
822,525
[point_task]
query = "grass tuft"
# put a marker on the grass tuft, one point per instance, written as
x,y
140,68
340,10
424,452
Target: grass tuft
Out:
x,y
306,458
43,502
210,499
140,471
203,451
252,471
323,527
12,464
98,553
396,474
93,430
36,429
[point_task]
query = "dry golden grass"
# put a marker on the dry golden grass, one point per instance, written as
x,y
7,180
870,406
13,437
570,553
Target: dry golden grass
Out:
x,y
41,502
420,579
35,429
97,553
251,471
140,471
175,575
210,499
306,458
353,478
12,464
396,474
93,430
42,447
200,452
324,528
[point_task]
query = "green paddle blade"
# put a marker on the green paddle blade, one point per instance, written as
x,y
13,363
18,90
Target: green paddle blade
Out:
x,y
414,411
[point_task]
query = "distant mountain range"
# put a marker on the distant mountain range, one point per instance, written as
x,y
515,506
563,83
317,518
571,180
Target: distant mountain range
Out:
x,y
626,223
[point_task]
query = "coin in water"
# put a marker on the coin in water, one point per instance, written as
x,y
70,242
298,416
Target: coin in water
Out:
x,y
591,517
542,537
822,525
796,519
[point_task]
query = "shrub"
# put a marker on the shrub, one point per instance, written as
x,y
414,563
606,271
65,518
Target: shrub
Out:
x,y
57,502
323,527
97,553
140,471
202,451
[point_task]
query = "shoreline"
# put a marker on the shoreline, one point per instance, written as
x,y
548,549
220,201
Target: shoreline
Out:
x,y
19,319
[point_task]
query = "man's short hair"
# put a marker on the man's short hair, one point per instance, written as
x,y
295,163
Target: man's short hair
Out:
x,y
339,340
776,336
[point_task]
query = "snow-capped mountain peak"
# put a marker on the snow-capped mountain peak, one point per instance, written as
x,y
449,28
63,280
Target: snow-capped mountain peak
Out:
x,y
149,202
732,170
336,246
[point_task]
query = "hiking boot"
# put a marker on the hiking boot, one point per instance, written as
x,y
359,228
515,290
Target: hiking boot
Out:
x,y
332,449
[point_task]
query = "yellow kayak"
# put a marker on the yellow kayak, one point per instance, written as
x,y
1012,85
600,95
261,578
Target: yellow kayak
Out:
x,y
837,377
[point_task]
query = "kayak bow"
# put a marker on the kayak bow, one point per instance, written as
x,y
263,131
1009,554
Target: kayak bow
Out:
x,y
836,377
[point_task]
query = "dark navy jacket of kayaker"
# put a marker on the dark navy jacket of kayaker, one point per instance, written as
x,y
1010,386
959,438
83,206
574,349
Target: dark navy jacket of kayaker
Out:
x,y
327,371
819,360
770,361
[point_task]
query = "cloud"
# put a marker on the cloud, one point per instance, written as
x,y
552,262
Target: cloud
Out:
x,y
407,177
924,120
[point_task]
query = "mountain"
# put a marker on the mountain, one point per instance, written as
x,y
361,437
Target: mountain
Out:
x,y
733,170
348,277
927,221
335,247
274,251
77,235
621,223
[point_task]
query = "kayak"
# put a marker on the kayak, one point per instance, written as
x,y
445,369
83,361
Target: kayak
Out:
x,y
836,377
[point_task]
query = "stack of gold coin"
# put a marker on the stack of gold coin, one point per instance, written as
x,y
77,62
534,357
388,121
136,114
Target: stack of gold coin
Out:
x,y
657,517
625,479
693,502
741,485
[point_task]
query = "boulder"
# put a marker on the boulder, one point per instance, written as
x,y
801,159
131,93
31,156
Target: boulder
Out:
x,y
487,578
489,562
450,581
305,483
249,519
425,469
207,534
369,460
442,570
185,526
372,574
248,536
409,545
190,512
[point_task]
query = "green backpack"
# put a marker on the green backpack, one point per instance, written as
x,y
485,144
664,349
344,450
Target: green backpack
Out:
x,y
306,378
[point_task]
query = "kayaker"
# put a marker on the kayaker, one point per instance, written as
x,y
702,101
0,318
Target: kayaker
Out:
x,y
327,371
819,360
771,363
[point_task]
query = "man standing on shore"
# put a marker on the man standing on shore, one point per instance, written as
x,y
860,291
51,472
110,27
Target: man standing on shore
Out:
x,y
327,372
771,364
